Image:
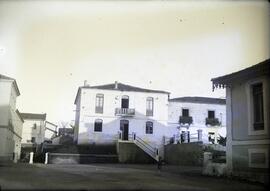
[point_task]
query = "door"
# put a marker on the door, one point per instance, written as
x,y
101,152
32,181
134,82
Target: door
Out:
x,y
124,129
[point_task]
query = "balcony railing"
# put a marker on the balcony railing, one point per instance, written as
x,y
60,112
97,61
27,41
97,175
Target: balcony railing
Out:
x,y
124,111
185,120
212,121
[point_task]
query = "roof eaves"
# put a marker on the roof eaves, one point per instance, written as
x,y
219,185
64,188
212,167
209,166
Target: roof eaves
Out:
x,y
132,88
262,68
34,116
19,114
14,83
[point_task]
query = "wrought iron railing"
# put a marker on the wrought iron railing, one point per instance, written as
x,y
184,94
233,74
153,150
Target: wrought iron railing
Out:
x,y
185,120
124,111
212,122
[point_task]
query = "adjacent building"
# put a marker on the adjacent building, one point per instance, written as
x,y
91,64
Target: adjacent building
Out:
x,y
248,120
33,129
190,114
10,120
107,111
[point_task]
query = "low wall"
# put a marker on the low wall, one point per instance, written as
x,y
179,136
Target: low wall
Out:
x,y
189,154
64,158
130,153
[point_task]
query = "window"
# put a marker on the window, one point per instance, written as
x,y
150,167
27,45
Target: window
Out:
x,y
258,158
149,106
185,112
211,114
98,125
99,103
149,127
257,96
125,102
257,92
35,126
33,140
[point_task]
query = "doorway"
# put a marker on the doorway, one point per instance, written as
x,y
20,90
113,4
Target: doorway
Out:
x,y
124,128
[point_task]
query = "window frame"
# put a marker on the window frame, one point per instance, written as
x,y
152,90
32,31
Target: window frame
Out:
x,y
98,121
150,112
208,113
33,139
149,130
184,108
34,126
98,108
125,97
250,104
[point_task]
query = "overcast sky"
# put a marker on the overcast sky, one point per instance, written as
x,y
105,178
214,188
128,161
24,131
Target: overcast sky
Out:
x,y
51,47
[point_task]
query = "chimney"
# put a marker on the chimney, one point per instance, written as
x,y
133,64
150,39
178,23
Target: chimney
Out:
x,y
85,83
115,85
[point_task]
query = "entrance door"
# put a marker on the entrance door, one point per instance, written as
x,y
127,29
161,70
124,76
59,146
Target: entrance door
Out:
x,y
124,129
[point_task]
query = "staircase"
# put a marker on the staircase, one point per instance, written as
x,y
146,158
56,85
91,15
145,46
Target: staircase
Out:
x,y
146,147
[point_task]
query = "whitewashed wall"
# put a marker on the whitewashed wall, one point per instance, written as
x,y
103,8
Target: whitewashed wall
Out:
x,y
111,123
29,131
198,111
5,92
10,122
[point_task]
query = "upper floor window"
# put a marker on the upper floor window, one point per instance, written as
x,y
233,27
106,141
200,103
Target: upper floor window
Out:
x,y
211,114
257,96
125,102
185,112
149,106
35,126
98,125
149,127
33,139
99,103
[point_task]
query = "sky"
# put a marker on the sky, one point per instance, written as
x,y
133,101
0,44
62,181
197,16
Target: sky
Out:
x,y
51,47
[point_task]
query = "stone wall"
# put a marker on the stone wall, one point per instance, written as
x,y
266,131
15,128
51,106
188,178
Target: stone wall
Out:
x,y
131,153
189,154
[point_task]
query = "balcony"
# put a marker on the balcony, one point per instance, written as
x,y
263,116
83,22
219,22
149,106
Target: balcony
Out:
x,y
124,112
212,122
185,120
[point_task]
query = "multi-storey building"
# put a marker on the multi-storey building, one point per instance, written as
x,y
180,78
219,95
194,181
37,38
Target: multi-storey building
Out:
x,y
33,129
190,114
248,120
102,112
10,120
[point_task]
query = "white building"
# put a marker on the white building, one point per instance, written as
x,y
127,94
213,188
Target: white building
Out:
x,y
104,111
10,120
248,121
194,113
33,129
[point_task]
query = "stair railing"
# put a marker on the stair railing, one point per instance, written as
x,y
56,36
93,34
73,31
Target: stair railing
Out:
x,y
146,147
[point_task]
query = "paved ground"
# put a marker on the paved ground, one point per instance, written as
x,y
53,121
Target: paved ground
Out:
x,y
112,177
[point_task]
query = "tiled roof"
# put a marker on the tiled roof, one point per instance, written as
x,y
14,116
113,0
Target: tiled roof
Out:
x,y
14,81
263,68
34,116
124,87
121,87
207,100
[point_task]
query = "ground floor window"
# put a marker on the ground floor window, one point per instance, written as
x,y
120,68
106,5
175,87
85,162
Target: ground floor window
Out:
x,y
98,125
149,127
